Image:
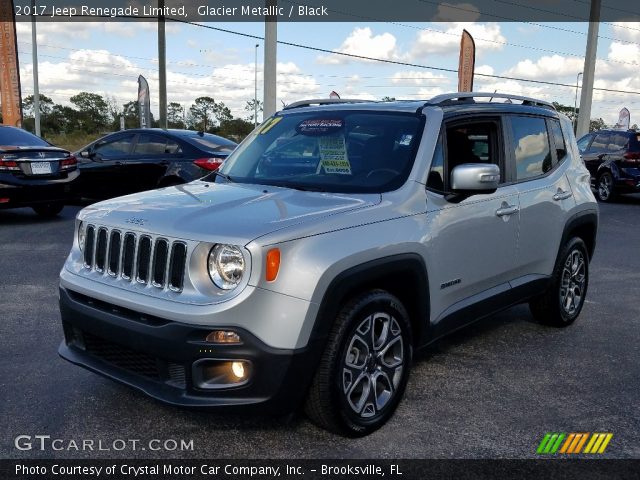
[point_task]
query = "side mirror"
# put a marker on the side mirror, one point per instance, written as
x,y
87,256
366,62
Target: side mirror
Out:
x,y
475,178
85,154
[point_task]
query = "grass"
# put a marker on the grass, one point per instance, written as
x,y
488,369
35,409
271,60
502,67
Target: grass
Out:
x,y
73,141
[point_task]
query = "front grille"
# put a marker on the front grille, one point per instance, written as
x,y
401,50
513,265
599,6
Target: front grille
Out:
x,y
136,257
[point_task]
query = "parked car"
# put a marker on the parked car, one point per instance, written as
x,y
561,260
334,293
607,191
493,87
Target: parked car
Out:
x,y
135,160
613,160
339,237
34,173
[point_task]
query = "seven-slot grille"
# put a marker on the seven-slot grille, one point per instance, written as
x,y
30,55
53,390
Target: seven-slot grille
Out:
x,y
134,257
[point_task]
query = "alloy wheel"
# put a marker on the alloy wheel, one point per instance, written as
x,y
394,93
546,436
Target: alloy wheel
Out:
x,y
572,284
373,364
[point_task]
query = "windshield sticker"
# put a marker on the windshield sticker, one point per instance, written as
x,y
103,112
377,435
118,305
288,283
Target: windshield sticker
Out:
x,y
333,155
320,126
272,122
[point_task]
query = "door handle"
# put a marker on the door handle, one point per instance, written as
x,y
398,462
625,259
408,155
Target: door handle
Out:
x,y
561,195
506,210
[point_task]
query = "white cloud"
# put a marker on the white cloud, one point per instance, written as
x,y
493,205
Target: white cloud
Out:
x,y
362,41
446,40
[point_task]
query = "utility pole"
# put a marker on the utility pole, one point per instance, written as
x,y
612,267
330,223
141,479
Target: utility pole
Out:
x,y
36,85
270,61
575,103
586,96
162,65
255,91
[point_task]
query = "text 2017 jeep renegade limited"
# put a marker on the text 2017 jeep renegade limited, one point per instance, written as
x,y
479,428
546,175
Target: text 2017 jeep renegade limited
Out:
x,y
335,240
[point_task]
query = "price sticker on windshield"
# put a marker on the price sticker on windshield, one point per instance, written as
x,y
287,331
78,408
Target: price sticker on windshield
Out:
x,y
333,155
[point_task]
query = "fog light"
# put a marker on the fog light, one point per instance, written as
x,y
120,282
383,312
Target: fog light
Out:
x,y
212,374
223,336
238,369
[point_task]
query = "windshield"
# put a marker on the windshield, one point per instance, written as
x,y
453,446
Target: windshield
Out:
x,y
211,143
333,151
20,138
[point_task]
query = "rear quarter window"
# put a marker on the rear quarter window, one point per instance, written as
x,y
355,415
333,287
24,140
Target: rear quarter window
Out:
x,y
531,148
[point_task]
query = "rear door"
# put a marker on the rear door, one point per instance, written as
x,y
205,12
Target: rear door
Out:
x,y
539,154
152,155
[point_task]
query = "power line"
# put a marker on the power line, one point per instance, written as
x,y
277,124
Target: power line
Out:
x,y
395,62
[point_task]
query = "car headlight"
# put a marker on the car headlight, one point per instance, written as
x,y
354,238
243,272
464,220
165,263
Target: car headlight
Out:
x,y
226,266
82,231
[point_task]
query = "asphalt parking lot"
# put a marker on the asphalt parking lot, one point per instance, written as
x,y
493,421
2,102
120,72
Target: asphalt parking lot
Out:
x,y
490,391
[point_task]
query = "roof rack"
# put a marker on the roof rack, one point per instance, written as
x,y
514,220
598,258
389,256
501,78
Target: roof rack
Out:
x,y
460,97
324,101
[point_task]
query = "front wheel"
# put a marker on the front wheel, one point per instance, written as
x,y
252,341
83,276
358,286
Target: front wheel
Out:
x,y
604,187
561,304
365,367
48,210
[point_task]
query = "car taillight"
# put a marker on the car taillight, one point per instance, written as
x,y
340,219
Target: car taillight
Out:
x,y
68,162
632,157
8,165
209,163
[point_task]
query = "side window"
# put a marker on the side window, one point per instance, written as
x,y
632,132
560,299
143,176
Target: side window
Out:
x,y
583,143
155,145
558,139
471,143
600,142
619,141
531,147
115,147
435,180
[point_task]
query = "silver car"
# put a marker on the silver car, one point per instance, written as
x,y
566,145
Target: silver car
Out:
x,y
337,239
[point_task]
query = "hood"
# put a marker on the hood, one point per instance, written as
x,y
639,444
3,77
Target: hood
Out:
x,y
221,212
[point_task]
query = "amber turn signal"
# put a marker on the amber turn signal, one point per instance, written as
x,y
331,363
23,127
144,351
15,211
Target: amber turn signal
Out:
x,y
273,264
223,336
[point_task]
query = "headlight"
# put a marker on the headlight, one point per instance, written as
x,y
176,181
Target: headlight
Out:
x,y
81,235
226,266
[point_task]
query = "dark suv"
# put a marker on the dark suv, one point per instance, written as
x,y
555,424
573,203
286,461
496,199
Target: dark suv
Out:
x,y
613,159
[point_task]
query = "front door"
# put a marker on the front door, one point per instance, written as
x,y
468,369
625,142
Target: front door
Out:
x,y
472,253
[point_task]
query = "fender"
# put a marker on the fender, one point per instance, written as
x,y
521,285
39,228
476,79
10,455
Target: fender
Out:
x,y
413,289
582,222
611,166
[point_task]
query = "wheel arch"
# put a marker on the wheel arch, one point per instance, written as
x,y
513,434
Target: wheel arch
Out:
x,y
412,289
583,225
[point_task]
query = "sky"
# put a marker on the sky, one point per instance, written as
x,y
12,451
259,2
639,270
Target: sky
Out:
x,y
106,58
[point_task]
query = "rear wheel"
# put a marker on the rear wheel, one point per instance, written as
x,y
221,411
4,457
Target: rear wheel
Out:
x,y
604,187
365,367
48,210
561,304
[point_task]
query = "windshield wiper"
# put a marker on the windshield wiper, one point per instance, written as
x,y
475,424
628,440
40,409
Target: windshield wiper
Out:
x,y
222,175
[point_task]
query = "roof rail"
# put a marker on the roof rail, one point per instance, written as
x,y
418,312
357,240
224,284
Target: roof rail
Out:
x,y
450,98
324,101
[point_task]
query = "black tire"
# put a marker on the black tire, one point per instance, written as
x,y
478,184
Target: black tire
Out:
x,y
561,304
333,402
48,210
605,187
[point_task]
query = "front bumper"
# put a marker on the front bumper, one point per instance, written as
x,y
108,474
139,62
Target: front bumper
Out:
x,y
156,356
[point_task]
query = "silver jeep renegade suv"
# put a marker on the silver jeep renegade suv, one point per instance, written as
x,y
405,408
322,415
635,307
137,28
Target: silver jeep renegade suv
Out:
x,y
339,237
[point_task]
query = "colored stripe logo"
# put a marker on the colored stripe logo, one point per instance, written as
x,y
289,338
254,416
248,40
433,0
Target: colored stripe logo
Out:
x,y
568,443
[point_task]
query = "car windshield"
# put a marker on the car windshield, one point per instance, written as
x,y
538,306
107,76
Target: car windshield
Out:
x,y
20,138
333,151
211,143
